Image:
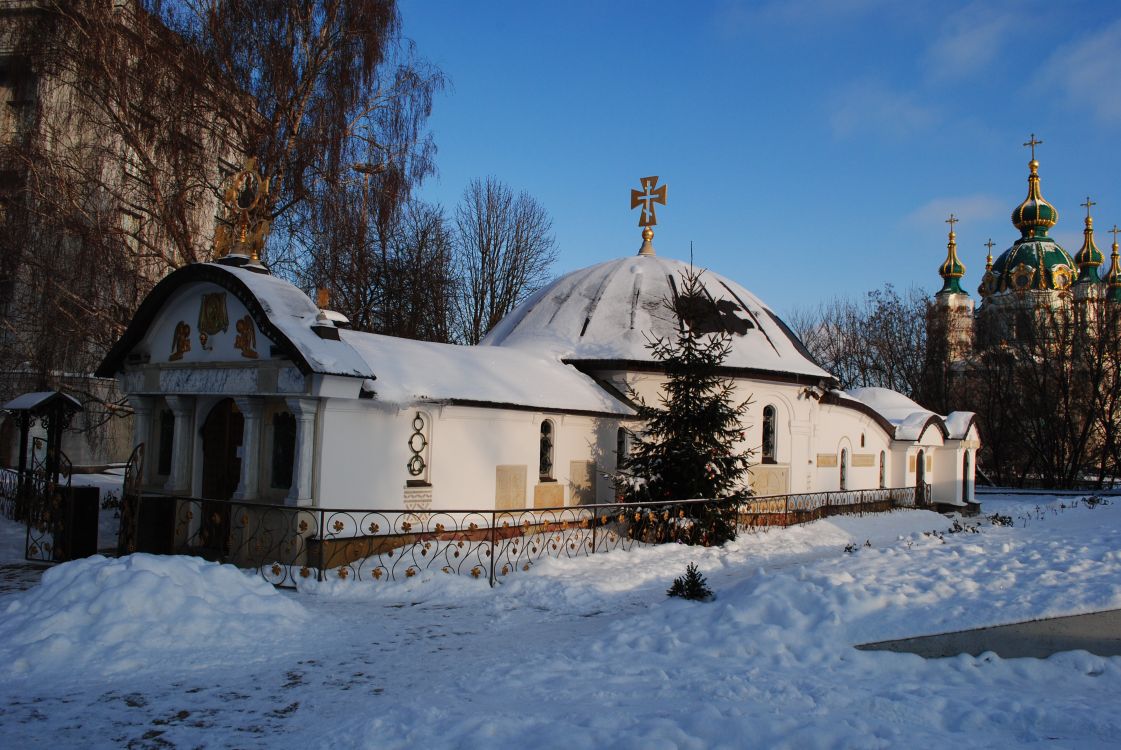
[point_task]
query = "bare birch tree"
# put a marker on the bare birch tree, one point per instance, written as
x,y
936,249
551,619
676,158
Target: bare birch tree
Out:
x,y
504,249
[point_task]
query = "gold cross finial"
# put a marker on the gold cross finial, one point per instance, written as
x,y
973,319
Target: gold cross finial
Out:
x,y
1087,205
1115,231
1033,143
990,245
951,221
647,197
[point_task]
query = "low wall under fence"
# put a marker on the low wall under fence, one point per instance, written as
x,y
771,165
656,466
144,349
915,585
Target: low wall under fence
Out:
x,y
285,543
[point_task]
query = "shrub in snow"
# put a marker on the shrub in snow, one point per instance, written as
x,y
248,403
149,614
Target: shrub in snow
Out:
x,y
691,586
687,448
998,520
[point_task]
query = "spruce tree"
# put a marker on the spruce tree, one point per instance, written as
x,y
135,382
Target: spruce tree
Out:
x,y
687,447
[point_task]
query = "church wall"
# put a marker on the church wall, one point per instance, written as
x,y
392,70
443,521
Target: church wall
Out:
x,y
839,429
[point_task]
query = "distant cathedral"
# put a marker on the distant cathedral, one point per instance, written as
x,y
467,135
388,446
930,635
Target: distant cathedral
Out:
x,y
1034,274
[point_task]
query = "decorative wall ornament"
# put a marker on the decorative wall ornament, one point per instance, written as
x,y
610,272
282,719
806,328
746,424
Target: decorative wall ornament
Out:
x,y
1061,277
213,318
246,338
180,341
1022,276
418,443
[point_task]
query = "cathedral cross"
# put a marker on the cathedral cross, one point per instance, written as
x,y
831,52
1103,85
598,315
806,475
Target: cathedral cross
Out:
x,y
951,221
1087,205
1033,143
990,244
1115,231
647,197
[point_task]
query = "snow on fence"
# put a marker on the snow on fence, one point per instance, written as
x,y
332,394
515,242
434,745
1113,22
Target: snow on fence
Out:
x,y
285,544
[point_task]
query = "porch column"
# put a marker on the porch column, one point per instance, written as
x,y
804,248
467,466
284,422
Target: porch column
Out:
x,y
250,408
142,430
183,409
303,409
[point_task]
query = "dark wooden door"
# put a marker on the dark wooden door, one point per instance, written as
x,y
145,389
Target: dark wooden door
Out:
x,y
221,472
221,438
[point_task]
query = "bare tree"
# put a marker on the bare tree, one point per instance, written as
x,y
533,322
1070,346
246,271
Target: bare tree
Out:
x,y
333,84
878,341
504,248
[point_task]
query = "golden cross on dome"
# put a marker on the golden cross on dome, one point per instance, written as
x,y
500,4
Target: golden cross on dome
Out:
x,y
951,221
647,197
1033,143
1087,205
1115,231
990,244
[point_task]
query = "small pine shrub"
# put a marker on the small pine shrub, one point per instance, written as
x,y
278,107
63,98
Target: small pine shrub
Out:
x,y
691,586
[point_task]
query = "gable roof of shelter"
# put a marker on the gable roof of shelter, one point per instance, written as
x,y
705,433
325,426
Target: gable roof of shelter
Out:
x,y
40,401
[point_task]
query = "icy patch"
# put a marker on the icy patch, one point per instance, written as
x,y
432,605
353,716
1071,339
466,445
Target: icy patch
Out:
x,y
108,616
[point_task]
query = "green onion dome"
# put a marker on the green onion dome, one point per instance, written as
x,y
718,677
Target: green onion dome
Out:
x,y
951,269
1035,261
1113,276
1089,258
1035,215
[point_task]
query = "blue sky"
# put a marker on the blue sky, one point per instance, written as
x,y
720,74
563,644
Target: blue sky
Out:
x,y
811,149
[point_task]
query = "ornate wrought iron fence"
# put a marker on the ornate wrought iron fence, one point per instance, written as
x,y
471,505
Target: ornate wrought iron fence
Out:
x,y
285,544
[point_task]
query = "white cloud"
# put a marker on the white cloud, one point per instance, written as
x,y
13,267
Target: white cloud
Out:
x,y
870,107
968,208
1087,73
969,40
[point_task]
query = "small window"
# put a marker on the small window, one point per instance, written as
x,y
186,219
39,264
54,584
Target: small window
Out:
x,y
768,434
883,469
844,469
622,449
862,440
283,450
167,437
546,464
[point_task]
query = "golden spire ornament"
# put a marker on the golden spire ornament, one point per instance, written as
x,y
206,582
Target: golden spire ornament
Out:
x,y
243,226
650,194
989,257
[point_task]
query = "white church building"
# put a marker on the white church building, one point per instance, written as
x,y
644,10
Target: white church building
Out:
x,y
243,388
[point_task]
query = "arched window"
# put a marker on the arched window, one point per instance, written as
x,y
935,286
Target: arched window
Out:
x,y
621,448
920,478
883,469
283,449
862,440
844,469
768,434
545,470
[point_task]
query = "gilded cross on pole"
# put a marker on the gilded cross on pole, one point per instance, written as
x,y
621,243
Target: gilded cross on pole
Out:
x,y
650,194
951,221
1087,205
990,244
1115,231
647,197
1033,143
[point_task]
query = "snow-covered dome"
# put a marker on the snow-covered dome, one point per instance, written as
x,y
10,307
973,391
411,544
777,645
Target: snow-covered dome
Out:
x,y
609,313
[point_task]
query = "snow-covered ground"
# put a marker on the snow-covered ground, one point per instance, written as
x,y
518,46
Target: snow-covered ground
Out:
x,y
589,653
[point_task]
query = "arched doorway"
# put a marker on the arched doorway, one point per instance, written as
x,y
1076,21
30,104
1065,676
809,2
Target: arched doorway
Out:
x,y
920,478
221,438
966,479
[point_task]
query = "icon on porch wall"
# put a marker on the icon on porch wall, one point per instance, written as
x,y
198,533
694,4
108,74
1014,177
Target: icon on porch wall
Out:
x,y
180,341
246,338
213,318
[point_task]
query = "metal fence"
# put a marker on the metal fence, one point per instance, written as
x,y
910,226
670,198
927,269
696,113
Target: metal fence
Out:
x,y
285,544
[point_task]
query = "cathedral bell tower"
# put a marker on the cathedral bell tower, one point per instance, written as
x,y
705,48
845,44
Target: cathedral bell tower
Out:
x,y
950,320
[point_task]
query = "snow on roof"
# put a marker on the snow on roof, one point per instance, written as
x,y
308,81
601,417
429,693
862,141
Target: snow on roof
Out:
x,y
29,401
611,310
959,422
293,312
909,418
410,370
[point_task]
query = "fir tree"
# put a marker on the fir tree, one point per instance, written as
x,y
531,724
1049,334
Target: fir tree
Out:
x,y
687,448
692,585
